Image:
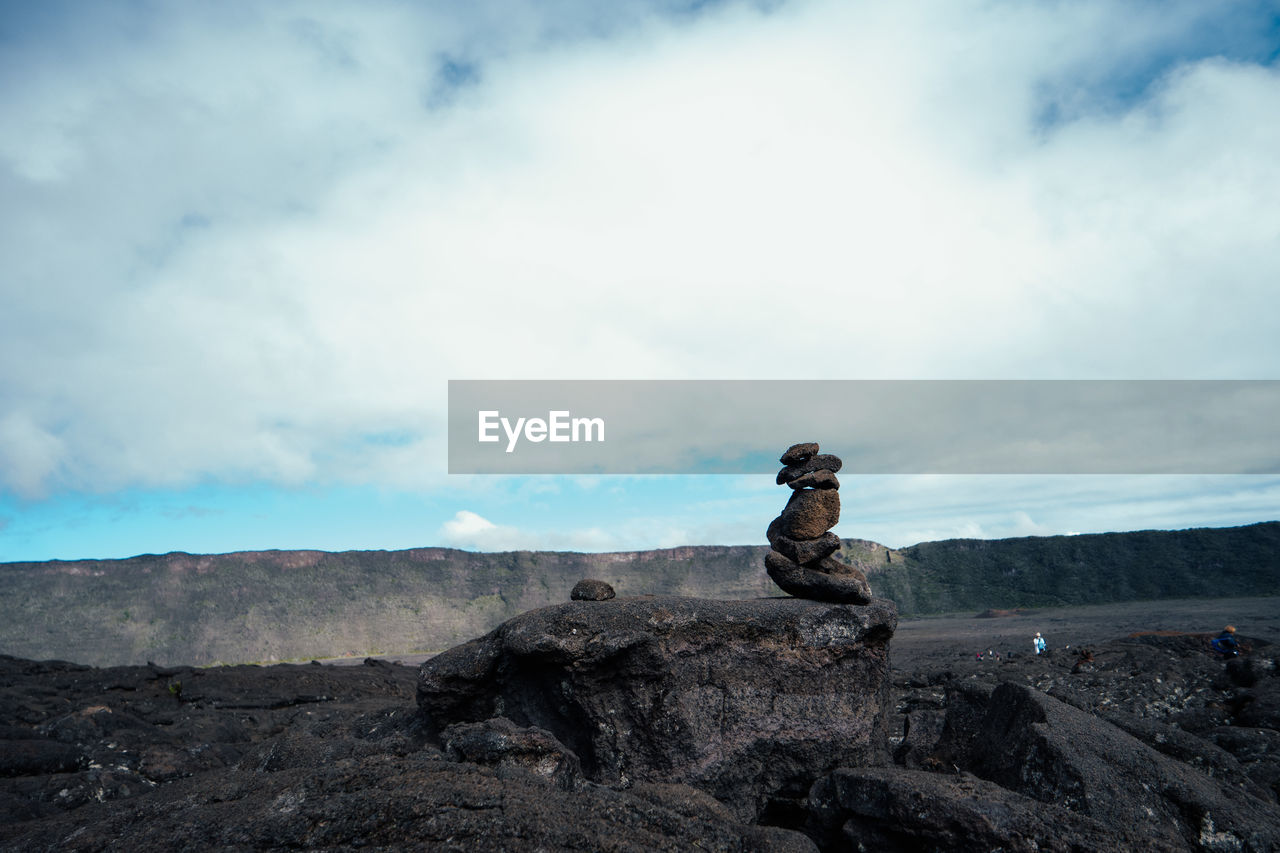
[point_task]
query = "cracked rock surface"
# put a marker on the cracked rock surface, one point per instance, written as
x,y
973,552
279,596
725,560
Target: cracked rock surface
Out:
x,y
749,701
1151,743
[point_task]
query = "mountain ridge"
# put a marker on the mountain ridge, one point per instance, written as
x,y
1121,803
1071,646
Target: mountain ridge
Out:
x,y
270,605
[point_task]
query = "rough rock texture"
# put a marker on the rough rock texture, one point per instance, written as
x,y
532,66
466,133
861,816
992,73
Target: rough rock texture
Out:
x,y
589,589
834,567
848,586
1259,706
1203,753
338,758
821,462
750,701
801,550
921,730
810,513
1036,745
797,453
823,479
94,735
308,757
904,811
416,801
1256,750
502,744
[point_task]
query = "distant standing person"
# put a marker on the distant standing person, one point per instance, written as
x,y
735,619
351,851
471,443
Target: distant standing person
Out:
x,y
1225,643
1038,643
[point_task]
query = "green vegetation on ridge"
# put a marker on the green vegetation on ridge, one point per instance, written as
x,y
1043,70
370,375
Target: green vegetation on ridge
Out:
x,y
1054,571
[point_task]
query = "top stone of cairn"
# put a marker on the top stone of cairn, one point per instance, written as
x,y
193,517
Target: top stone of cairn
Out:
x,y
798,453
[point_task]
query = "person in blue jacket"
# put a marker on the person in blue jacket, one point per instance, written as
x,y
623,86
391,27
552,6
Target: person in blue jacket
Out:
x,y
1225,643
1038,642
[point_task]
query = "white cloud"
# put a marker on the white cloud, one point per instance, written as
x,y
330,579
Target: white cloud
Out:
x,y
467,524
28,453
901,511
245,245
470,530
894,510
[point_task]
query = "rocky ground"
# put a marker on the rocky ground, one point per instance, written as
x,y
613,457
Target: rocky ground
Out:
x,y
1146,741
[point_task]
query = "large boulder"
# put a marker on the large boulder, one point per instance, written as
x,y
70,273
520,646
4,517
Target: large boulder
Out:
x,y
749,701
1045,749
904,811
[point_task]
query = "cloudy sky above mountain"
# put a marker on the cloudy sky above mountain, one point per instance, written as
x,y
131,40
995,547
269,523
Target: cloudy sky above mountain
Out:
x,y
247,244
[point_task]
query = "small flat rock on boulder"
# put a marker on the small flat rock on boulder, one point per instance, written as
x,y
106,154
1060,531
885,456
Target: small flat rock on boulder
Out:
x,y
801,550
589,589
848,586
810,513
745,700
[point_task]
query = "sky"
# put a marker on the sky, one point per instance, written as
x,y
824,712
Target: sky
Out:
x,y
244,246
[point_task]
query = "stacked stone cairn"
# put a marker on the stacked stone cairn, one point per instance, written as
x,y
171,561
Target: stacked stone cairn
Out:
x,y
800,560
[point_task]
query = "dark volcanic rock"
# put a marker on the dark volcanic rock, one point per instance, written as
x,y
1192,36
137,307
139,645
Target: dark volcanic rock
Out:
x,y
848,586
798,453
1247,744
501,743
810,513
747,700
823,479
417,801
1258,752
250,767
589,589
1198,752
1035,745
834,567
904,811
338,758
821,462
921,731
1259,705
35,757
801,550
966,708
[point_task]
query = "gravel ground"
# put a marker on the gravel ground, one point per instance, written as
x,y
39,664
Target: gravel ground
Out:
x,y
936,639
